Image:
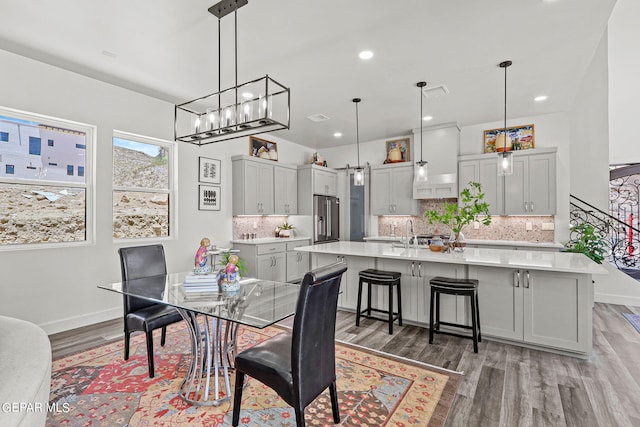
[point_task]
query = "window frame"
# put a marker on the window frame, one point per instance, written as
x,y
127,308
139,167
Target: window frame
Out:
x,y
172,150
88,186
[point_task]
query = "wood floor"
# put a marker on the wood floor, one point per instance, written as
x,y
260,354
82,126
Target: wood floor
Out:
x,y
503,385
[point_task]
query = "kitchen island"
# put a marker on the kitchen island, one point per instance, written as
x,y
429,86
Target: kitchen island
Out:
x,y
534,299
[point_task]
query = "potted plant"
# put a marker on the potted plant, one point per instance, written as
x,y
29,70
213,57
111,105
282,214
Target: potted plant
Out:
x,y
285,230
587,241
456,215
241,264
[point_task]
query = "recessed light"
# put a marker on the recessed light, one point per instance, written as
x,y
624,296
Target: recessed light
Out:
x,y
337,134
427,118
540,98
247,95
366,54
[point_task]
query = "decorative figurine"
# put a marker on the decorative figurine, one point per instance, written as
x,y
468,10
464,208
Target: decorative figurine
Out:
x,y
201,257
231,278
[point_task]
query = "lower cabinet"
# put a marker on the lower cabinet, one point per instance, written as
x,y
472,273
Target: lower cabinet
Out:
x,y
544,308
297,262
272,267
278,261
348,298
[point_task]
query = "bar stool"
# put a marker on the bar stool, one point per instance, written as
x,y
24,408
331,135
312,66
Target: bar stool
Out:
x,y
463,287
382,278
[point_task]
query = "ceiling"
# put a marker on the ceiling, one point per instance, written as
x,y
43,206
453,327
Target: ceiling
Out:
x,y
168,49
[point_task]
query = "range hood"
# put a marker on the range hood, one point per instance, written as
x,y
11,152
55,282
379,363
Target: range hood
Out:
x,y
441,146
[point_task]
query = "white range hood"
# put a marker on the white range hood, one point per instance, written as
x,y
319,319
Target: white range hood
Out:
x,y
441,146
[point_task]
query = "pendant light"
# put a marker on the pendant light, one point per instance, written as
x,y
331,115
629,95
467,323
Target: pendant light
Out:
x,y
420,168
505,158
258,106
358,174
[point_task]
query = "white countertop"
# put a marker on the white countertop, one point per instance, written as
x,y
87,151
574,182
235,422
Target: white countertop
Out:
x,y
507,258
517,243
263,240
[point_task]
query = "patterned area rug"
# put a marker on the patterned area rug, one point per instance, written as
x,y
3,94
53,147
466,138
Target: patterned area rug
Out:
x,y
98,388
634,319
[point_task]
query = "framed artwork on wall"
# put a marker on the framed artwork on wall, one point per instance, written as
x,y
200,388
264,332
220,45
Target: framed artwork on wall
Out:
x,y
209,170
209,198
398,150
522,138
262,148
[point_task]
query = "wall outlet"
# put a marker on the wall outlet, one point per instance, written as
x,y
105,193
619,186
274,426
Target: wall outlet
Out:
x,y
548,226
529,226
476,225
255,225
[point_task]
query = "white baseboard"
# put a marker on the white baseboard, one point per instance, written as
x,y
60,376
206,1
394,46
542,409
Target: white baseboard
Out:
x,y
82,320
617,299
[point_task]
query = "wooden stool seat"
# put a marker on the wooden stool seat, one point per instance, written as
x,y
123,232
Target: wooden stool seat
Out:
x,y
380,278
462,287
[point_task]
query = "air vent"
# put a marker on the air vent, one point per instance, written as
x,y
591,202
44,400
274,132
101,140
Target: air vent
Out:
x,y
318,118
435,91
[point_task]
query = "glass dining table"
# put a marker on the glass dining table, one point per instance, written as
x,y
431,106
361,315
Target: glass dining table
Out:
x,y
212,317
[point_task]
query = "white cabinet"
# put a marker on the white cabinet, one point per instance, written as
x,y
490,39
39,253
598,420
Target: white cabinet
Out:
x,y
252,186
348,297
531,189
544,308
312,180
277,260
285,190
297,262
392,190
272,267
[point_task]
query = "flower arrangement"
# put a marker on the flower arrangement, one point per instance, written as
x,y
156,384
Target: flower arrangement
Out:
x,y
285,230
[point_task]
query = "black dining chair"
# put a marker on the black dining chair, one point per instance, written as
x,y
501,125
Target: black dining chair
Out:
x,y
299,365
140,262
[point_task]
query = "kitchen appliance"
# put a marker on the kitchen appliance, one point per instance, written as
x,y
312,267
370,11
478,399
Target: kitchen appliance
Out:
x,y
326,219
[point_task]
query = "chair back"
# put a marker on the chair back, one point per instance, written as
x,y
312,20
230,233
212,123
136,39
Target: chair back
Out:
x,y
313,338
137,262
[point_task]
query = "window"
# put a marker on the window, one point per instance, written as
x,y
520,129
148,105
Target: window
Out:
x,y
44,205
4,136
50,143
70,170
81,146
142,186
80,170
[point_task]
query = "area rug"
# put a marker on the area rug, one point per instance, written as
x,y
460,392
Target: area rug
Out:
x,y
98,388
634,319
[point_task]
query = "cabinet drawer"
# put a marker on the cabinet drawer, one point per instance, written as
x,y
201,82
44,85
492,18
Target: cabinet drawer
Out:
x,y
271,248
293,245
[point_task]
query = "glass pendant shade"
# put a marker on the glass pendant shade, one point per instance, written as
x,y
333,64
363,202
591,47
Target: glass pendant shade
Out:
x,y
358,177
505,163
420,172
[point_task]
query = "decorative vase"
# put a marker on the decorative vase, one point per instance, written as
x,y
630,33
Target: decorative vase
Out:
x,y
458,242
285,233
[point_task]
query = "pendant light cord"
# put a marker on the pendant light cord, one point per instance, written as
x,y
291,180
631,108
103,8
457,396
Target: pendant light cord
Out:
x,y
235,29
421,120
505,108
357,132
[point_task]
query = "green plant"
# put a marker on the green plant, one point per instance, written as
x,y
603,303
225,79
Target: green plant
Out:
x,y
587,241
241,264
286,226
457,215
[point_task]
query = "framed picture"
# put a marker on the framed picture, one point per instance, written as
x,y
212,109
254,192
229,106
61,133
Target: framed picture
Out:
x,y
522,138
263,149
398,150
209,198
209,170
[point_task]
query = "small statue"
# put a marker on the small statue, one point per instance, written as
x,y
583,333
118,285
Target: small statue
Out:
x,y
230,276
201,257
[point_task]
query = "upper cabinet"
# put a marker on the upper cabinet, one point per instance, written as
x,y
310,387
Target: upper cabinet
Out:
x,y
312,180
392,190
530,190
262,187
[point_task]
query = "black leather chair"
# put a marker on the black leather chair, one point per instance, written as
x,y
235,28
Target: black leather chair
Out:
x,y
140,314
299,365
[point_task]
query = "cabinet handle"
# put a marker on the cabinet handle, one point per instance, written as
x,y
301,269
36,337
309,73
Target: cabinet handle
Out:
x,y
517,274
531,206
395,209
528,282
412,271
419,269
525,207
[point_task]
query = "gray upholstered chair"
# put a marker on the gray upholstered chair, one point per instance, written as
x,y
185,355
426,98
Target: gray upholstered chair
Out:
x,y
140,314
301,364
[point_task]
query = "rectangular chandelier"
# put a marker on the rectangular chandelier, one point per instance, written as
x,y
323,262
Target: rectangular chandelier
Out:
x,y
258,106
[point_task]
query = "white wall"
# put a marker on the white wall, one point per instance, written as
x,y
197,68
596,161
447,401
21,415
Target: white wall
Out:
x,y
624,85
56,288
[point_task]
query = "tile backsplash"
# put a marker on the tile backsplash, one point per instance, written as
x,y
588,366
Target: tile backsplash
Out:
x,y
501,228
264,225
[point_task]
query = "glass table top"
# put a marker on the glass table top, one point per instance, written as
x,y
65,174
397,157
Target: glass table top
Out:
x,y
258,303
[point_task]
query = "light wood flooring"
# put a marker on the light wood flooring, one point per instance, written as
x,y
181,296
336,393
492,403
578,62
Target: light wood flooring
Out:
x,y
503,385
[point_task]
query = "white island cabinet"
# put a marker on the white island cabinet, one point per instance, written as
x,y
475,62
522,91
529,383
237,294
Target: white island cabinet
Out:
x,y
535,299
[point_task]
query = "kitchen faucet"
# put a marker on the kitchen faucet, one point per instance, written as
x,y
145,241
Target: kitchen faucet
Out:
x,y
413,232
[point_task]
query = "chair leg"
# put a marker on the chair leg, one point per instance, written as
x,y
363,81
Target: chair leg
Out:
x,y
237,398
369,299
431,317
334,403
478,313
299,416
399,292
127,339
438,311
359,306
390,310
150,353
163,337
474,323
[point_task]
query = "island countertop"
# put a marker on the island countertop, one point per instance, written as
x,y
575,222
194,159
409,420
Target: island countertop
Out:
x,y
518,259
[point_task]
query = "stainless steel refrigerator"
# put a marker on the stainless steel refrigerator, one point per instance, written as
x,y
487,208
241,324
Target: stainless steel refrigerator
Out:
x,y
326,218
